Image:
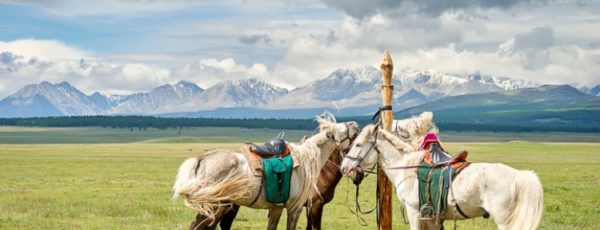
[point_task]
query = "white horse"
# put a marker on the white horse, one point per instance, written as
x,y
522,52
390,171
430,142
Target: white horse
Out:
x,y
513,198
211,183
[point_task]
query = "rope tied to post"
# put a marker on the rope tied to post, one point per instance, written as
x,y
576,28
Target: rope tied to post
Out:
x,y
378,113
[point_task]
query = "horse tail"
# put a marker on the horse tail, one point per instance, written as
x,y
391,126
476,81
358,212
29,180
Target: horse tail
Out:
x,y
185,177
209,194
528,201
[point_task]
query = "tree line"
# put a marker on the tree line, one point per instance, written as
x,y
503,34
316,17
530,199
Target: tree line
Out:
x,y
143,122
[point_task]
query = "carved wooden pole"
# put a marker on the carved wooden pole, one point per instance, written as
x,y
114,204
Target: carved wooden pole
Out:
x,y
387,117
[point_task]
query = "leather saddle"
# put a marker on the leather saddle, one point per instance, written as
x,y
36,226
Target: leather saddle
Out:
x,y
441,157
275,147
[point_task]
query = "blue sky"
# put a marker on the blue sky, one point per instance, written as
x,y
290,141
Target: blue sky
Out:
x,y
133,45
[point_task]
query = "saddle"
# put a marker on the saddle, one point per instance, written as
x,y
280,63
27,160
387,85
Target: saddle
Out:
x,y
277,164
436,156
436,171
275,147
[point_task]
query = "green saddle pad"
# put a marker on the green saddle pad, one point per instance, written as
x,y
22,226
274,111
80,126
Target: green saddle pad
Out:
x,y
433,189
278,174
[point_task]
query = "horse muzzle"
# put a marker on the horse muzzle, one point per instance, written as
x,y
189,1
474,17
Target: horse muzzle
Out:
x,y
358,177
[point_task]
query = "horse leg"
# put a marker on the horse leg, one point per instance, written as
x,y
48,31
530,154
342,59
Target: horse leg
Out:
x,y
292,218
228,217
200,223
274,216
315,213
414,218
203,223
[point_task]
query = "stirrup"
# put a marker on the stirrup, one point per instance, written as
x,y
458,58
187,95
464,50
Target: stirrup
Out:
x,y
426,212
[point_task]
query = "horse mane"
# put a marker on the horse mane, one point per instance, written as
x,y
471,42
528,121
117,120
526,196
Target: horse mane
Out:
x,y
308,156
411,155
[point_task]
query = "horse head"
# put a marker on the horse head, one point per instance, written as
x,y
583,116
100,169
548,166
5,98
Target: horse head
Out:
x,y
367,146
343,133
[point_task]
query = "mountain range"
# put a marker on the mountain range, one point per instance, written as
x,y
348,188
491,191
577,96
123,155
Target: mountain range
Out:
x,y
547,105
348,92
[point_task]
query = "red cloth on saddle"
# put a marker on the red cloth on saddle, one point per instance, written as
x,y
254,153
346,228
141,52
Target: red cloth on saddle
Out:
x,y
458,162
428,139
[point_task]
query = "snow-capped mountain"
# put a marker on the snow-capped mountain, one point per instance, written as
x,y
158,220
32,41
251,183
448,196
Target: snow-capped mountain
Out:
x,y
155,100
47,98
347,89
596,90
360,84
359,87
229,94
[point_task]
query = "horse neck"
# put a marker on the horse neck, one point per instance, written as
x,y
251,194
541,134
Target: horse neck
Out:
x,y
324,143
392,157
333,168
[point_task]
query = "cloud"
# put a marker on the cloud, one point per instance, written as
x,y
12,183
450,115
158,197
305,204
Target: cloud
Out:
x,y
256,38
539,38
207,72
363,9
89,76
43,49
534,47
31,61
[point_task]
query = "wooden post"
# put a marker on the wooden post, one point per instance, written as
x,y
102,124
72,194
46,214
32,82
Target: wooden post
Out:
x,y
387,118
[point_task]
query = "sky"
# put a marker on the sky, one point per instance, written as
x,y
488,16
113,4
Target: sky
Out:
x,y
124,46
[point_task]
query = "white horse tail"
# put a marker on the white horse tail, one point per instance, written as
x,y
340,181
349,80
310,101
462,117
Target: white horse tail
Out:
x,y
207,194
185,177
528,201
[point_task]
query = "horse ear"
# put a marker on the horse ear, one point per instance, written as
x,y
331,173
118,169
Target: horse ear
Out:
x,y
331,118
303,138
426,116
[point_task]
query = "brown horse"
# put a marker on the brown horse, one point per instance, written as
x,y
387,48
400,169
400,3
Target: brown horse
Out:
x,y
329,177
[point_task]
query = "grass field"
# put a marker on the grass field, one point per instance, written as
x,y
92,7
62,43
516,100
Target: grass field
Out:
x,y
127,185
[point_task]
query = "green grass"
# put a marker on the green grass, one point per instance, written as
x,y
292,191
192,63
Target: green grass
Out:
x,y
127,185
39,135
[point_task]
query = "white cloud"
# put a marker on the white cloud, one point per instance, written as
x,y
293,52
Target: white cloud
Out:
x,y
89,76
364,9
555,42
207,72
43,49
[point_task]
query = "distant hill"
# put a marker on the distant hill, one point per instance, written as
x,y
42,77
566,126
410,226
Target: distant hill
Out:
x,y
548,105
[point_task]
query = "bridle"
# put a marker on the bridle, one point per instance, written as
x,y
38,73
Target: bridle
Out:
x,y
359,158
347,138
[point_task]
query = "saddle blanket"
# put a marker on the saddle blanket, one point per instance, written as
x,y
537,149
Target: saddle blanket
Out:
x,y
277,177
435,178
433,189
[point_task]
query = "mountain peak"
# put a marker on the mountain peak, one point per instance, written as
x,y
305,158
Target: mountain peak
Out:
x,y
358,74
595,90
65,84
184,82
62,97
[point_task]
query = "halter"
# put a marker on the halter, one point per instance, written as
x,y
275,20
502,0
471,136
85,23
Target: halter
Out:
x,y
359,159
348,137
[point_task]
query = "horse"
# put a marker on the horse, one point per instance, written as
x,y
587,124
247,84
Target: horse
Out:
x,y
215,182
512,198
331,175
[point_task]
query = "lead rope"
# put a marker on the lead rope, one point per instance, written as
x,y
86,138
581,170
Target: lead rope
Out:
x,y
360,219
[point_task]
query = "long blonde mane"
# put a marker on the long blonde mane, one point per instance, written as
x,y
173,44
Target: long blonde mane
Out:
x,y
308,155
